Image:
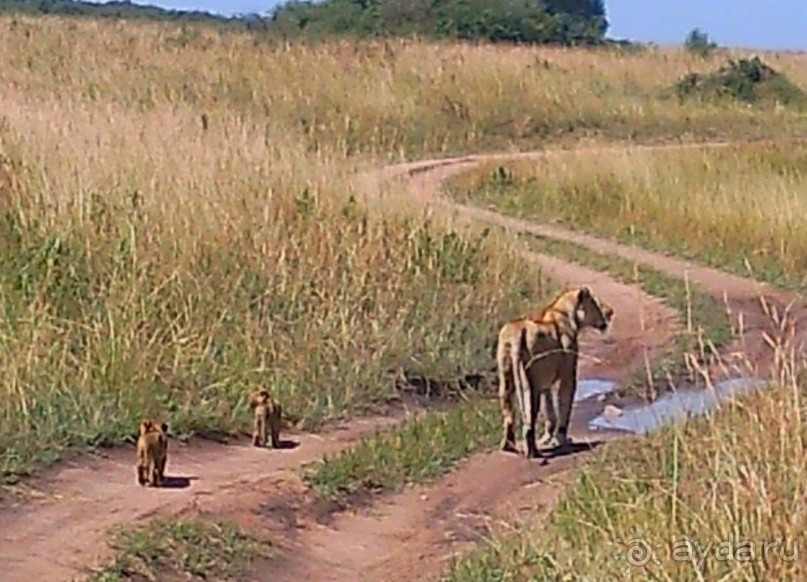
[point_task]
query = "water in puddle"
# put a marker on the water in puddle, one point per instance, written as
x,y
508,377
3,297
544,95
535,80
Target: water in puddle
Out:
x,y
592,387
675,406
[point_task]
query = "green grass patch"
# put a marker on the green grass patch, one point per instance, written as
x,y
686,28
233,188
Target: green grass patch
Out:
x,y
184,549
418,451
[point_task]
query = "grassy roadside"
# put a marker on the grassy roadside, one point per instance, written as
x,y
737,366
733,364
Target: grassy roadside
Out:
x,y
183,549
738,208
419,451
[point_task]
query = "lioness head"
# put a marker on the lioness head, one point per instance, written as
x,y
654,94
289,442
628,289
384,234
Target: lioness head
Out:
x,y
591,311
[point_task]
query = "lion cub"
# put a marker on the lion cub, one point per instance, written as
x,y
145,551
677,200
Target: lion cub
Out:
x,y
152,453
267,411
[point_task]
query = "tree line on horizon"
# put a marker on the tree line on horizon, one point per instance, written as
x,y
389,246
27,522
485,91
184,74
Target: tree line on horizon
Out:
x,y
566,22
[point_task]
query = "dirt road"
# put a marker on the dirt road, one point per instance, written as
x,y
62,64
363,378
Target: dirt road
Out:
x,y
414,534
409,535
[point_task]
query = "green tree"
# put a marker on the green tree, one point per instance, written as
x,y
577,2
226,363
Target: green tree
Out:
x,y
521,21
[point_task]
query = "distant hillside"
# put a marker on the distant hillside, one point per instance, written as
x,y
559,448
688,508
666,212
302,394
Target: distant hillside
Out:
x,y
521,21
110,10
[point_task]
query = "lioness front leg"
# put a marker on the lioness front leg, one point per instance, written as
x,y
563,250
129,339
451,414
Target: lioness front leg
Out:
x,y
548,416
566,391
532,407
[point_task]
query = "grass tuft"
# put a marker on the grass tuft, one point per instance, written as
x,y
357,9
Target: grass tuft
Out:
x,y
186,549
419,451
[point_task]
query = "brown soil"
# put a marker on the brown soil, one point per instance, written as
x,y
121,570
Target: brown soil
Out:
x,y
404,536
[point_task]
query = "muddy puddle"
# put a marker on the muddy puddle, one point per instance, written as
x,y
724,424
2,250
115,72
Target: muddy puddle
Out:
x,y
672,407
592,387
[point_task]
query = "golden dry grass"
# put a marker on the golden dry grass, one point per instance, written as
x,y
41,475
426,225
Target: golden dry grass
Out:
x,y
163,253
386,97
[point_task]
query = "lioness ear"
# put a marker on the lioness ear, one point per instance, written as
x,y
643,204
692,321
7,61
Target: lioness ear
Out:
x,y
584,292
164,426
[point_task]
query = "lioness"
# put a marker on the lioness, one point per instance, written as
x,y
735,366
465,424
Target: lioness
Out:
x,y
152,453
267,411
535,353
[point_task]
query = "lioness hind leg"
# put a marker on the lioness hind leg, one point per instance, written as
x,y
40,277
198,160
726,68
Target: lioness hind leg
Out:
x,y
156,479
506,393
528,393
275,438
259,428
151,474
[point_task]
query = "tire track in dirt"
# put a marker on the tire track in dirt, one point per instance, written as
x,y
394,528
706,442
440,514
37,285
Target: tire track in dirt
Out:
x,y
414,534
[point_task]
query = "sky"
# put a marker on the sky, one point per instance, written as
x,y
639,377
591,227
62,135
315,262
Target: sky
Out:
x,y
753,24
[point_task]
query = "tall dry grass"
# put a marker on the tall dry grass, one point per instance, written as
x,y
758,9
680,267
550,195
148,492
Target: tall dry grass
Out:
x,y
177,222
161,254
732,207
384,98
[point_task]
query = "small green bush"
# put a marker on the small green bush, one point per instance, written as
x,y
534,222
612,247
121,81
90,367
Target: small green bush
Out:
x,y
748,81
